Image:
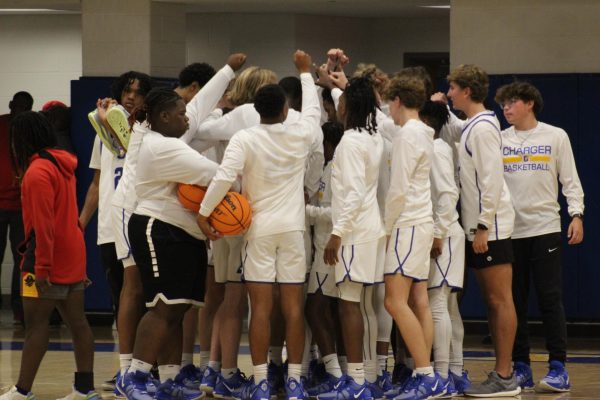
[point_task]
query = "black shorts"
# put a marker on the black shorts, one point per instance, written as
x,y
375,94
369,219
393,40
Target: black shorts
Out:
x,y
172,263
499,252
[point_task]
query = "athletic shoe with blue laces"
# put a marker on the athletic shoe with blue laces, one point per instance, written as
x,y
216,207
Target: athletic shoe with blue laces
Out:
x,y
255,391
134,386
294,390
384,381
524,375
325,386
461,383
557,379
275,375
449,388
190,376
401,387
376,392
209,380
173,390
230,387
422,387
348,389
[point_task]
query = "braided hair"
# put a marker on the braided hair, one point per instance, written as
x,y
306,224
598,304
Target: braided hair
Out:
x,y
435,114
361,105
30,132
157,100
127,79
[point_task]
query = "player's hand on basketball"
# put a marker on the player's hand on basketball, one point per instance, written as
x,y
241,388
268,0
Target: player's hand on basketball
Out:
x,y
439,96
339,79
575,231
436,248
42,284
303,61
480,243
331,250
323,78
236,61
207,229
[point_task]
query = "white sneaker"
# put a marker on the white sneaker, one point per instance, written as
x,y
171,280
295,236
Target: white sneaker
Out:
x,y
13,394
75,395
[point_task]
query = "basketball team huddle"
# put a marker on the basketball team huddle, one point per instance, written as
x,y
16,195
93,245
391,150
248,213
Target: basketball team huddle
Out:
x,y
326,209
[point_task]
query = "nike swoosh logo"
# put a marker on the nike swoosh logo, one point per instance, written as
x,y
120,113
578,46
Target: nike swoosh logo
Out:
x,y
434,388
357,395
551,250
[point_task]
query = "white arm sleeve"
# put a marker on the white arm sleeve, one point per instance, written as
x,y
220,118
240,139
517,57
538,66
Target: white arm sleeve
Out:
x,y
336,93
452,130
444,192
568,177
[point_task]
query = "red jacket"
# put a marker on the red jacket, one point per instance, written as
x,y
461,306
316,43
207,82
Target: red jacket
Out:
x,y
10,196
54,246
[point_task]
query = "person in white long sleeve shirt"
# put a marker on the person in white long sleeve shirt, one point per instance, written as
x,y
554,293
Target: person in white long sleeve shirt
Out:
x,y
536,157
447,264
409,227
487,218
271,158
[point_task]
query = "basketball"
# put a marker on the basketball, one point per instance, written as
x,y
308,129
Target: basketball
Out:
x,y
232,216
190,196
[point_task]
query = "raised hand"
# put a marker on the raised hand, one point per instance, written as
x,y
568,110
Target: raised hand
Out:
x,y
336,60
339,79
303,61
236,61
323,78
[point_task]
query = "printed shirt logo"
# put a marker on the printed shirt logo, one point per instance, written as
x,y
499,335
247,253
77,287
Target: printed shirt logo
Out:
x,y
529,158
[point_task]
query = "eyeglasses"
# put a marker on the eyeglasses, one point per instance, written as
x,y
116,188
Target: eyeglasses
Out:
x,y
509,102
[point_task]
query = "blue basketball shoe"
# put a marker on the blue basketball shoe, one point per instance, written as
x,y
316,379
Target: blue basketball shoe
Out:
x,y
557,379
230,387
524,375
173,390
348,389
209,380
134,386
423,387
461,383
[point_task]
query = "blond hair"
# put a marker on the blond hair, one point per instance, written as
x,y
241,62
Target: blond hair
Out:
x,y
473,77
409,89
247,84
374,73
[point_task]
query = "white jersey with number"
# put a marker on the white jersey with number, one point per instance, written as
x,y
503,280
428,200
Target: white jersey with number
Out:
x,y
534,162
484,195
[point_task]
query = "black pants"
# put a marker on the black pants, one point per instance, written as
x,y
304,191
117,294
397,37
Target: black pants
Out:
x,y
11,223
539,258
113,269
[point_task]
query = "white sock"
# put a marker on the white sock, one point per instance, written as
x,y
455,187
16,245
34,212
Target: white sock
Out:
x,y
275,355
228,372
343,360
314,352
382,363
456,369
125,362
370,367
168,371
187,359
260,372
204,358
332,366
424,371
215,365
139,365
294,371
357,372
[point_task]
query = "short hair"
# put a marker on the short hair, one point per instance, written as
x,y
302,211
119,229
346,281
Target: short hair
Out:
x,y
26,96
158,99
524,91
196,72
292,87
373,72
435,114
127,79
332,132
248,83
30,132
361,105
421,73
409,89
473,77
270,101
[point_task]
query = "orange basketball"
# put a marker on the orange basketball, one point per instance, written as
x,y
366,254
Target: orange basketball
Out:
x,y
190,196
232,216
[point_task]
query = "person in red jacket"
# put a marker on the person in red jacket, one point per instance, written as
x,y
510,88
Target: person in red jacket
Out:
x,y
53,264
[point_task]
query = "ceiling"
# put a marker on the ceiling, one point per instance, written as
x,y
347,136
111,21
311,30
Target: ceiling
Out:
x,y
355,8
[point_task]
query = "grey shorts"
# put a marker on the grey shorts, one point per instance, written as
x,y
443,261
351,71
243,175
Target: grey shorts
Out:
x,y
61,292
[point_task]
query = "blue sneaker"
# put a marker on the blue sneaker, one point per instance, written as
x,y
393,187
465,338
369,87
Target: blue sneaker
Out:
x,y
170,390
230,387
209,380
275,375
327,385
190,376
557,379
449,388
294,390
252,391
317,372
376,392
348,390
133,386
384,381
401,374
461,383
423,387
524,375
398,389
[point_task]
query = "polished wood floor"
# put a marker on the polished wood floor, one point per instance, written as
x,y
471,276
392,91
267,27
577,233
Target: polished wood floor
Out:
x,y
55,378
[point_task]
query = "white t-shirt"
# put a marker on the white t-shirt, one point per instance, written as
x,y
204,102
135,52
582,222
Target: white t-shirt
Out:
x,y
111,171
444,192
484,195
408,201
272,161
534,162
354,176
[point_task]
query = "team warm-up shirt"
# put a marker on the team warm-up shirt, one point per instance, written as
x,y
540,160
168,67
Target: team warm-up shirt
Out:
x,y
484,195
354,177
534,162
444,192
319,214
111,170
271,159
385,172
408,201
162,162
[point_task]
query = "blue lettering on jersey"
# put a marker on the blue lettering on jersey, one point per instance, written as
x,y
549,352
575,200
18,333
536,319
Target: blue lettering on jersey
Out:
x,y
118,175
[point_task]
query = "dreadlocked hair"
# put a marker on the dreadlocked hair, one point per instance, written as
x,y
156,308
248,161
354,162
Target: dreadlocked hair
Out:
x,y
361,105
157,100
435,114
30,132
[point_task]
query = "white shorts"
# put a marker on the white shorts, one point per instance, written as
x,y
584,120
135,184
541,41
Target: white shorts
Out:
x,y
408,251
449,267
275,258
361,263
120,221
322,276
227,257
